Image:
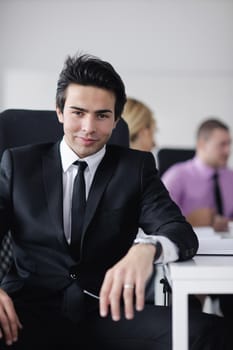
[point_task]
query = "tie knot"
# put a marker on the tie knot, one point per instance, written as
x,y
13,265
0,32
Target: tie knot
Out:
x,y
81,164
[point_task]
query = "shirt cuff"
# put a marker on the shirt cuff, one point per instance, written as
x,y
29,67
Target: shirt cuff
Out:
x,y
170,251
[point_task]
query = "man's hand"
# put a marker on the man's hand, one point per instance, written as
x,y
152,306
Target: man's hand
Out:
x,y
208,217
220,223
127,279
9,321
201,217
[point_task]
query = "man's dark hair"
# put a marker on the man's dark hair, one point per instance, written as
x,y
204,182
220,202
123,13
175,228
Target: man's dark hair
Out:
x,y
89,70
207,127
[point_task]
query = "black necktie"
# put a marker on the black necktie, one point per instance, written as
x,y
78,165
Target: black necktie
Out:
x,y
78,208
217,194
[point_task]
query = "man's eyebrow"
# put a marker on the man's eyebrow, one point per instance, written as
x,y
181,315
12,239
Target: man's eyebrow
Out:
x,y
78,108
103,111
86,110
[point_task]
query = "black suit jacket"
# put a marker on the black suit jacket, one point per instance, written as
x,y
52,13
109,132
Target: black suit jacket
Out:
x,y
126,193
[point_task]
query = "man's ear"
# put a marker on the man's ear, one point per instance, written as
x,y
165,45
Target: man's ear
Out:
x,y
59,115
200,143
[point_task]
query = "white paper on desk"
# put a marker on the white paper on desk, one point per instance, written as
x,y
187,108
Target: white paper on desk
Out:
x,y
214,243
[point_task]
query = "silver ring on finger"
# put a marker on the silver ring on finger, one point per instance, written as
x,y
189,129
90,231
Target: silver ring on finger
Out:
x,y
128,286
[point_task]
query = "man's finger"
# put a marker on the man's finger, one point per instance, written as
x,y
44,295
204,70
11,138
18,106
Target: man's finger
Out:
x,y
128,296
104,295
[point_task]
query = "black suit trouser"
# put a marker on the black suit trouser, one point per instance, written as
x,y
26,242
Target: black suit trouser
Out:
x,y
45,328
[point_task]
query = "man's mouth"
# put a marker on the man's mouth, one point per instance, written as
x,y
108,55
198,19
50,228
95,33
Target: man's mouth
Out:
x,y
87,140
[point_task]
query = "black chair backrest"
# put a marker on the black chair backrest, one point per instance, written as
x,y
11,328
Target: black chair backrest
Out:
x,y
20,127
168,156
120,135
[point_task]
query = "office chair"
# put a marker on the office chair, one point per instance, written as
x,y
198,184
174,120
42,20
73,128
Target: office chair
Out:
x,y
166,157
20,127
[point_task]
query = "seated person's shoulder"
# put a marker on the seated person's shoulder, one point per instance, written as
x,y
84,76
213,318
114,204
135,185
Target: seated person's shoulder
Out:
x,y
177,170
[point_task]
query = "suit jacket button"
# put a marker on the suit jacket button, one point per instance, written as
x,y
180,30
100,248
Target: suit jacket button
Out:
x,y
73,275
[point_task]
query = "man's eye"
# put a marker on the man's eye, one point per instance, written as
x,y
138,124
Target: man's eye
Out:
x,y
78,113
102,116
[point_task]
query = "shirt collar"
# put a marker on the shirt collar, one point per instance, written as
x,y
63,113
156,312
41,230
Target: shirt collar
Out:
x,y
205,169
68,157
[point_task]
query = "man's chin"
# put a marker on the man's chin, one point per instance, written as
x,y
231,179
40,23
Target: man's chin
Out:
x,y
87,151
223,165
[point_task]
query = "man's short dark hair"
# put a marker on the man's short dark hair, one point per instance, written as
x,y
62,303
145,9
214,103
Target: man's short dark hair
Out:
x,y
208,126
89,70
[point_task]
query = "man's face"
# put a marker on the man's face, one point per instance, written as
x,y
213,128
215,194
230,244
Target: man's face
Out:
x,y
88,118
216,148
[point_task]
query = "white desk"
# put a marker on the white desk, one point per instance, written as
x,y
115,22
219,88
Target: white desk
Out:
x,y
211,242
201,275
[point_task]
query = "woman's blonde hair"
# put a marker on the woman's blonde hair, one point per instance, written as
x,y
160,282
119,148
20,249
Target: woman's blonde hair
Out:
x,y
138,116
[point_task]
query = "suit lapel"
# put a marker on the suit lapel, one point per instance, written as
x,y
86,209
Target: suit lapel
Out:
x,y
102,177
52,172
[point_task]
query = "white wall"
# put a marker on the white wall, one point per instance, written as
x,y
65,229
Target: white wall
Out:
x,y
177,55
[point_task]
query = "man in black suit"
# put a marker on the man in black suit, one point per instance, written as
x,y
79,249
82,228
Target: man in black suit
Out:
x,y
64,291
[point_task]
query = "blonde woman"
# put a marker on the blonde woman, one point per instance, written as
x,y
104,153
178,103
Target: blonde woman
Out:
x,y
141,123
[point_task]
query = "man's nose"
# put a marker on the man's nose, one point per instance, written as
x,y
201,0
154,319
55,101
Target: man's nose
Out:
x,y
89,124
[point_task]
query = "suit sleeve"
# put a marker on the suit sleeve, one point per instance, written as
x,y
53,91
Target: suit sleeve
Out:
x,y
160,215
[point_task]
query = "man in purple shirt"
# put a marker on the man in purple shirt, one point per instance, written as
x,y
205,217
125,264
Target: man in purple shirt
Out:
x,y
191,183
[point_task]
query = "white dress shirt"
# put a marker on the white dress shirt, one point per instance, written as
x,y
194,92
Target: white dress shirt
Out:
x,y
68,157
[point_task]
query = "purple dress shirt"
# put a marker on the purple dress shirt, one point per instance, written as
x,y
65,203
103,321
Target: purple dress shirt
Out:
x,y
190,185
